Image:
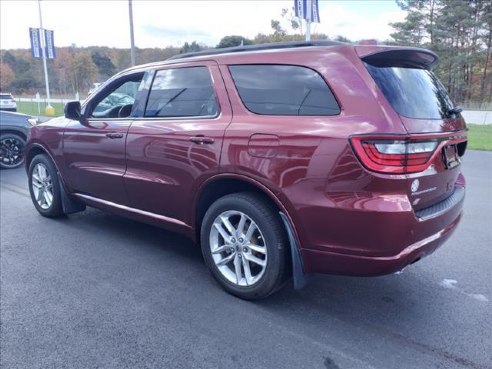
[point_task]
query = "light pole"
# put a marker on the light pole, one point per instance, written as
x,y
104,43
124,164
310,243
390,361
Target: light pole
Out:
x,y
49,109
132,39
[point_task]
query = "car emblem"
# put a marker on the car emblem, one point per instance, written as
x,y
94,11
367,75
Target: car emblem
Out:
x,y
415,185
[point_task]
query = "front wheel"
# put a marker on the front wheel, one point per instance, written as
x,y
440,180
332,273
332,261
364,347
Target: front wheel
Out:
x,y
44,187
244,245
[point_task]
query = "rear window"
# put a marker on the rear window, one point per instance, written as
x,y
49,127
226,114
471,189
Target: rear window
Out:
x,y
283,90
5,96
413,93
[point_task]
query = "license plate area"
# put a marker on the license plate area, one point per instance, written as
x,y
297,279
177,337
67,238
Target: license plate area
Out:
x,y
450,156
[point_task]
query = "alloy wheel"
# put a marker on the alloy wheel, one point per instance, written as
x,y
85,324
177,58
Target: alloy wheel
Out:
x,y
42,186
238,248
11,152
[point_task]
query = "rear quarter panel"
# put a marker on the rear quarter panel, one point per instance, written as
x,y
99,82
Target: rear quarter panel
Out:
x,y
307,161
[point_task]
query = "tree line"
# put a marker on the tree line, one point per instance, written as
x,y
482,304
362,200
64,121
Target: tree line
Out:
x,y
74,69
460,31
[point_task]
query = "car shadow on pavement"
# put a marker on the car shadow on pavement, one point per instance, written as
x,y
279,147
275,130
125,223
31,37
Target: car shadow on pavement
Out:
x,y
146,237
384,298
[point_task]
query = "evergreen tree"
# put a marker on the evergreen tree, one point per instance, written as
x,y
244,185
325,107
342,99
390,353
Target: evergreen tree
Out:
x,y
104,65
460,32
230,41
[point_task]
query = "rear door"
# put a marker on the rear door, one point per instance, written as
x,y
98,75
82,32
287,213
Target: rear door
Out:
x,y
175,146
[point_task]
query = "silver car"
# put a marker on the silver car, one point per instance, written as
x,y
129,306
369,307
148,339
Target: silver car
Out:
x,y
7,102
14,128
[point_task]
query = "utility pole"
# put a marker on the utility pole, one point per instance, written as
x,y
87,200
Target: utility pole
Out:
x,y
132,39
49,109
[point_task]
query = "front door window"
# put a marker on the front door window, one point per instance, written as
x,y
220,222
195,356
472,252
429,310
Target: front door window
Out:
x,y
117,103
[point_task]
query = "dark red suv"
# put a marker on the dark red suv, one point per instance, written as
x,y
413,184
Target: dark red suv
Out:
x,y
279,159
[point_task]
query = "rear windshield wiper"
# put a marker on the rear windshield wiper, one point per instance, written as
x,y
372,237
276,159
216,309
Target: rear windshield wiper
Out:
x,y
455,110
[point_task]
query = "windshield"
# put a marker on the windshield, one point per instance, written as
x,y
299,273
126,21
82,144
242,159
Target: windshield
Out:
x,y
413,93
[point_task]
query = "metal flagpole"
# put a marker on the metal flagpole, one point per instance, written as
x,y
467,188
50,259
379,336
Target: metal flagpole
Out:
x,y
309,18
49,109
132,40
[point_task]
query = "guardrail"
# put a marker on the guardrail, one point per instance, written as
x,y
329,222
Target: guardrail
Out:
x,y
477,116
42,100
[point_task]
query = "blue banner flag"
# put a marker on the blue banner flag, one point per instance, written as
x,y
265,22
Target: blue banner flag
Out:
x,y
307,9
49,43
35,43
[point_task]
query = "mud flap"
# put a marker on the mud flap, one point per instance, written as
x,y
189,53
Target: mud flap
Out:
x,y
298,275
69,204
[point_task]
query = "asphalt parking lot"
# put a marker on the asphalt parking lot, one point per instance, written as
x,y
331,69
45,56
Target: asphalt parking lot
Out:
x,y
95,290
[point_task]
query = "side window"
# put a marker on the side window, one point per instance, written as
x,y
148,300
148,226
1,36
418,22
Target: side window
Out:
x,y
182,92
118,102
283,90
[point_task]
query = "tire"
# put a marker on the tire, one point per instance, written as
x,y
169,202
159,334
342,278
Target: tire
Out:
x,y
44,185
264,247
11,150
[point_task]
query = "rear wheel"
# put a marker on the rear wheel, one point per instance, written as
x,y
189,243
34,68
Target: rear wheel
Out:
x,y
244,245
44,187
11,150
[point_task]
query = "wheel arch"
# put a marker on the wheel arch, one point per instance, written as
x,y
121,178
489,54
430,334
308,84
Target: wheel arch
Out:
x,y
14,132
36,149
225,184
70,205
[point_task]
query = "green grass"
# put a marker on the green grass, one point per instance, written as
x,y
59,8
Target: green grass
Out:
x,y
479,137
31,108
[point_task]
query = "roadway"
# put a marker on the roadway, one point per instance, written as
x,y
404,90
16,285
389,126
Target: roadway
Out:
x,y
95,290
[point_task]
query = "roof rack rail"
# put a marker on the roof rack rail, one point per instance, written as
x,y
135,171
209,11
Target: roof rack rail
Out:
x,y
269,46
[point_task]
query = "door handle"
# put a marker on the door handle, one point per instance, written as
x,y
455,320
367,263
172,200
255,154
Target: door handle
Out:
x,y
114,135
202,140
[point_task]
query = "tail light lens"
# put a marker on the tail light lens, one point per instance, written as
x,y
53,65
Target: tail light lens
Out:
x,y
398,156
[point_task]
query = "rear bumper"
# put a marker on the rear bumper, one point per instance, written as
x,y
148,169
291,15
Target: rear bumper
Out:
x,y
381,236
316,261
9,108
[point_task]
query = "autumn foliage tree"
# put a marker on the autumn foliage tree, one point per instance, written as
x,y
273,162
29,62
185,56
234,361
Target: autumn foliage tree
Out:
x,y
7,76
73,70
83,72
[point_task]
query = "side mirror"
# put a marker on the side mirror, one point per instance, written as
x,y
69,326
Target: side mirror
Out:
x,y
72,110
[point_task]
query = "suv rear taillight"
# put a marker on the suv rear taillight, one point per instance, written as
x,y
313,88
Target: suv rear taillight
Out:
x,y
399,155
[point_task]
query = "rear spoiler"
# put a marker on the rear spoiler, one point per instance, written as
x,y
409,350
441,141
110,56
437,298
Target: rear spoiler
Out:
x,y
408,57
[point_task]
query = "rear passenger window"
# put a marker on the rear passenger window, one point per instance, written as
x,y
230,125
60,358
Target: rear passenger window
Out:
x,y
182,92
283,90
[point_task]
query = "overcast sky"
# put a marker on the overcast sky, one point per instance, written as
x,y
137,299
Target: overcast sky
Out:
x,y
164,23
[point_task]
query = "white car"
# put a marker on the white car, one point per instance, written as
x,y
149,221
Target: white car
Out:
x,y
7,102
